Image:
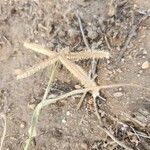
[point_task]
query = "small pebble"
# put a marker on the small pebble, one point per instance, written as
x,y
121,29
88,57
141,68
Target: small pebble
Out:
x,y
68,113
120,89
77,87
138,75
31,106
64,120
22,125
108,61
84,146
118,94
144,52
123,60
139,64
145,65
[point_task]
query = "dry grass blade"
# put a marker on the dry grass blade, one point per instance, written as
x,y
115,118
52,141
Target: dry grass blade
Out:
x,y
119,85
4,123
39,49
32,131
82,31
50,101
103,128
81,101
54,100
93,62
88,55
36,113
115,139
78,72
74,92
34,69
134,120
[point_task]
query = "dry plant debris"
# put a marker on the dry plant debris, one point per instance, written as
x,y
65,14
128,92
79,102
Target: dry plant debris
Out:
x,y
36,113
76,70
102,126
65,58
68,60
4,123
57,26
93,62
80,74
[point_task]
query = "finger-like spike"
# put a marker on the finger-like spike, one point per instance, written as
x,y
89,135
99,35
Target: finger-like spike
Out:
x,y
39,49
36,68
88,55
78,72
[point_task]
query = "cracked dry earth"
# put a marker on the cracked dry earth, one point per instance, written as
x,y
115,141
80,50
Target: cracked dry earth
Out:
x,y
54,24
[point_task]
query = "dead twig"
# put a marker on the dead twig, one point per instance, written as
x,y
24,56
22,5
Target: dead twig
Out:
x,y
43,103
82,32
134,120
135,133
81,101
103,128
142,135
107,42
93,62
87,45
115,139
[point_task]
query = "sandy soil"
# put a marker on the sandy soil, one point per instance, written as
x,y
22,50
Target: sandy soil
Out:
x,y
54,25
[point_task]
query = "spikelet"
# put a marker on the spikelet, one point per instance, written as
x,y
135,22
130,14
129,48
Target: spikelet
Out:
x,y
39,49
88,55
36,68
78,72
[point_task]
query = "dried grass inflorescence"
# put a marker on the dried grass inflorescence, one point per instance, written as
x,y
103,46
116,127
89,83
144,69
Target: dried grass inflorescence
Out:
x,y
66,60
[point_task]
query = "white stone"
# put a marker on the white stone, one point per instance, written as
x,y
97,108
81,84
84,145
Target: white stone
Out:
x,y
68,113
22,125
145,65
64,120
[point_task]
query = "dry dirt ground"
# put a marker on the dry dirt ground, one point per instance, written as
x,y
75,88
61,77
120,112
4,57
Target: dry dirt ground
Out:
x,y
53,23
